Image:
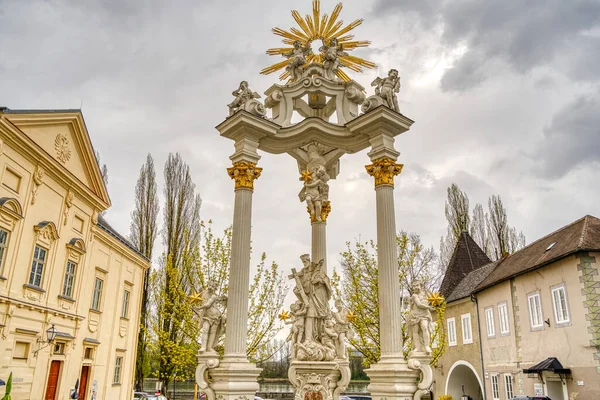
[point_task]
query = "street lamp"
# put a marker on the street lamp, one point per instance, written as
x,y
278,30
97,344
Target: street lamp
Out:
x,y
50,335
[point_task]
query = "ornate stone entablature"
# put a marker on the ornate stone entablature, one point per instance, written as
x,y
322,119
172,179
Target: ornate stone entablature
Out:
x,y
10,212
46,232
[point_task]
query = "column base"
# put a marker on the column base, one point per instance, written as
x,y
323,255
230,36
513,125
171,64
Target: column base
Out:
x,y
325,379
392,379
227,379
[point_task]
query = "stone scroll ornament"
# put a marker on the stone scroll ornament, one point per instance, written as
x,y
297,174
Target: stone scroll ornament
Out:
x,y
386,90
246,99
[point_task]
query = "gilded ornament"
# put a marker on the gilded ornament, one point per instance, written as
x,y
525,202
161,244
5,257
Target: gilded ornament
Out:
x,y
351,316
195,298
244,173
325,210
384,170
435,299
306,175
61,145
334,37
284,315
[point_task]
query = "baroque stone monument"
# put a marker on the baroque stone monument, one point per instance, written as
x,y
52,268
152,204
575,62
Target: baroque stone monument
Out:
x,y
328,104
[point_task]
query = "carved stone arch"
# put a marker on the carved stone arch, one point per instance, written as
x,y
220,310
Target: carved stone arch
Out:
x,y
76,249
10,212
46,232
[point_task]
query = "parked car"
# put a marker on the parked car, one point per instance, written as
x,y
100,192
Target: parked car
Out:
x,y
148,396
359,397
521,397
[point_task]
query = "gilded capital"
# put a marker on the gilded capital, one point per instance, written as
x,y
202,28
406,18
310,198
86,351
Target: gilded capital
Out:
x,y
384,169
325,209
244,173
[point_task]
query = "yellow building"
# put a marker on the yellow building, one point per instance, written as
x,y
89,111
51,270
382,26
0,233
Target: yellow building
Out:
x,y
62,265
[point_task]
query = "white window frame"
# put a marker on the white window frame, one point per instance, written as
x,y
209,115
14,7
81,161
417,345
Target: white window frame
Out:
x,y
536,316
69,280
97,294
489,322
451,322
508,386
563,313
118,369
495,386
3,249
503,318
466,318
38,265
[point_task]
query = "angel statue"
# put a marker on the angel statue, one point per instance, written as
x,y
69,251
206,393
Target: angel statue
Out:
x,y
386,88
212,319
242,95
298,59
342,327
331,53
419,320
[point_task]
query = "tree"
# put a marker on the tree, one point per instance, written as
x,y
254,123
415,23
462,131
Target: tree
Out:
x,y
357,286
143,232
173,280
103,169
490,230
457,215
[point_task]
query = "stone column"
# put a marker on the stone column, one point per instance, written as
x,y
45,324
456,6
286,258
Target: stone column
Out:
x,y
319,235
234,377
391,378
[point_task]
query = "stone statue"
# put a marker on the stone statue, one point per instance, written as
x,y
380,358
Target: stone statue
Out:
x,y
331,53
243,95
313,290
298,311
419,320
315,191
212,319
386,88
297,60
343,329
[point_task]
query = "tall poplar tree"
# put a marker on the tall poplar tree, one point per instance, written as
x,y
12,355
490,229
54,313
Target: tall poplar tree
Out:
x,y
143,232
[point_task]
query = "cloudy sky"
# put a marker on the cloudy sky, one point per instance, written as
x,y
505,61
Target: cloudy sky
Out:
x,y
505,95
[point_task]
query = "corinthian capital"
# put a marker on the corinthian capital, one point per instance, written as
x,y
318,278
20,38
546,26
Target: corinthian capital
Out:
x,y
383,170
244,173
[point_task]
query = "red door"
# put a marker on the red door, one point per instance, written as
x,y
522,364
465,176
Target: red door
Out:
x,y
85,372
52,381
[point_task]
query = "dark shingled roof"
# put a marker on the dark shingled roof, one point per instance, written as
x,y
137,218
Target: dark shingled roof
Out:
x,y
581,235
549,364
102,223
470,282
466,258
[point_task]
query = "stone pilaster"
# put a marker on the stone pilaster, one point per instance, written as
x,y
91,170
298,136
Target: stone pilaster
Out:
x,y
591,292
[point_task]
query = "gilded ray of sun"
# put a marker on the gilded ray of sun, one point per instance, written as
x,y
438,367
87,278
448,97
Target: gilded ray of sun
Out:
x,y
325,28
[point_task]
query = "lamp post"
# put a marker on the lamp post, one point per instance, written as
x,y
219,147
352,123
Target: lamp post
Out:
x,y
50,335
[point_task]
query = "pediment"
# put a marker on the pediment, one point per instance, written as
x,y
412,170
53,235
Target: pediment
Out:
x,y
46,232
64,138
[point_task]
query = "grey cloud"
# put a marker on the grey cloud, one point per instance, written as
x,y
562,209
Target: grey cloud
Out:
x,y
572,139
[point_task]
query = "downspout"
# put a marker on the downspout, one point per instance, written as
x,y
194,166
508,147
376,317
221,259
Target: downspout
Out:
x,y
474,299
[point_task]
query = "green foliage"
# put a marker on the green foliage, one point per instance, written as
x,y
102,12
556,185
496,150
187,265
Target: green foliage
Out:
x,y
445,397
357,286
8,388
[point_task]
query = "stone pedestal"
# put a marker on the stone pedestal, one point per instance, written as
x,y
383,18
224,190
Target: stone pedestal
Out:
x,y
226,380
392,379
328,378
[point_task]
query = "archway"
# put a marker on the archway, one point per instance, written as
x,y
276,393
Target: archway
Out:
x,y
462,374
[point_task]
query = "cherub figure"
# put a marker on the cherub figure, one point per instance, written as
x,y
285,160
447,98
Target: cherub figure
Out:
x,y
342,327
331,53
386,88
316,191
328,339
298,59
419,320
298,311
242,95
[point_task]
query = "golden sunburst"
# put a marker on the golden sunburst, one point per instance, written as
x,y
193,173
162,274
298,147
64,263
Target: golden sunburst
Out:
x,y
436,299
325,28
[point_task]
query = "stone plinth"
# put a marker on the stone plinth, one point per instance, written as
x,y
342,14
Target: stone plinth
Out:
x,y
226,379
329,378
392,379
